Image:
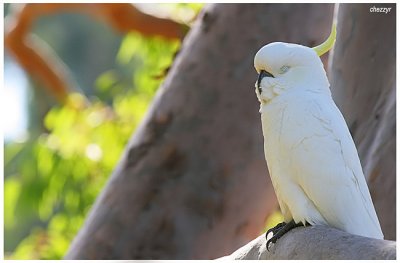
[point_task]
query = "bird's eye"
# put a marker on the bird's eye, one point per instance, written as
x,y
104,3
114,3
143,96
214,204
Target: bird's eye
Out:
x,y
283,69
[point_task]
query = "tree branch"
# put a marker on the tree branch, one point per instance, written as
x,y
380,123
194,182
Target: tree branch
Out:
x,y
317,242
44,65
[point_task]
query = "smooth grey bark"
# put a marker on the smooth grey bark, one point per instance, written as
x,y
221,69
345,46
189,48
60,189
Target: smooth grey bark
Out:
x,y
363,84
317,242
193,181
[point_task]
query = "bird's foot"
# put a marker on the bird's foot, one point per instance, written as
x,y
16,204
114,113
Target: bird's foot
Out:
x,y
274,229
279,230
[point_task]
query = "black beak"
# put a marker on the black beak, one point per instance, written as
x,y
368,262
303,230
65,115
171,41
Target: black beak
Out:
x,y
262,74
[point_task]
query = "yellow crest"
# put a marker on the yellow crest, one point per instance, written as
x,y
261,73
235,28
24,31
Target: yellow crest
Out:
x,y
328,44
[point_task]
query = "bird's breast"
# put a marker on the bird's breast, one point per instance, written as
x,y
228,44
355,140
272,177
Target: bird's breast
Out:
x,y
289,119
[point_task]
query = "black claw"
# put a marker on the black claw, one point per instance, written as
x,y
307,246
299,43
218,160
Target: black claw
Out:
x,y
273,240
274,229
282,228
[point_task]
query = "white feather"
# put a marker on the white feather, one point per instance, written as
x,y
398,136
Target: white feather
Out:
x,y
311,156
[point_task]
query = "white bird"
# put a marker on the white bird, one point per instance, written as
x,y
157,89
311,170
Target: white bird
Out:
x,y
311,156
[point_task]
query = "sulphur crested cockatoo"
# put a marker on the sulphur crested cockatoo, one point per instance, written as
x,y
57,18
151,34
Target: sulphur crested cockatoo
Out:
x,y
311,156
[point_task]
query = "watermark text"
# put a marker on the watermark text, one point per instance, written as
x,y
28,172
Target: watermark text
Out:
x,y
375,9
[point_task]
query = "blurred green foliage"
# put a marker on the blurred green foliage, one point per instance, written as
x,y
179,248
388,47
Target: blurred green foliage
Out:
x,y
51,182
274,219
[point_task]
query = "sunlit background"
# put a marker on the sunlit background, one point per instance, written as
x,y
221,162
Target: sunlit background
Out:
x,y
15,90
59,155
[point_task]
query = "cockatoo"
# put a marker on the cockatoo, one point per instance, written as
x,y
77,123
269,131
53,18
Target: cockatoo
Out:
x,y
312,160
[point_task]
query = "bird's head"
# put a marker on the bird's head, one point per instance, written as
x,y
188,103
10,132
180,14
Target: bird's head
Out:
x,y
285,66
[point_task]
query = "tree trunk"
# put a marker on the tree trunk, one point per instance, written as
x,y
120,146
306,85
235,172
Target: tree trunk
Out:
x,y
193,181
363,83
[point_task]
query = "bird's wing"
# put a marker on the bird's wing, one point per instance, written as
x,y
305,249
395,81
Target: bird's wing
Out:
x,y
329,171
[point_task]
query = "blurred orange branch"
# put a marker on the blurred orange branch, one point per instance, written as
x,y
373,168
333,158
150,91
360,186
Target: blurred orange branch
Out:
x,y
38,59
